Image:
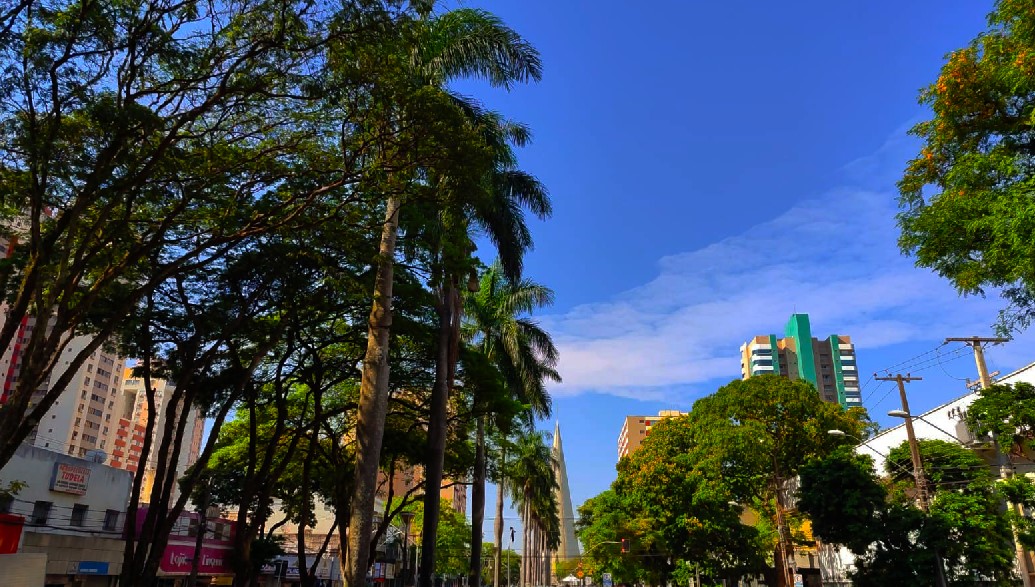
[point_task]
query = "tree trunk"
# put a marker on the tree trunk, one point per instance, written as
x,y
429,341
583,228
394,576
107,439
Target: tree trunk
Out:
x,y
497,555
478,505
192,579
437,430
373,403
547,560
525,558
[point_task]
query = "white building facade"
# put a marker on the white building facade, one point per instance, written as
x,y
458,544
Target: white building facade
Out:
x,y
74,511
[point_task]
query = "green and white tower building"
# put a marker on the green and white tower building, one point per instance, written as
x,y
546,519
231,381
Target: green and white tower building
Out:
x,y
827,363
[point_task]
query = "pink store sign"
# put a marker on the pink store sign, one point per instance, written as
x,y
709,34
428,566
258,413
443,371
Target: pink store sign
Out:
x,y
179,557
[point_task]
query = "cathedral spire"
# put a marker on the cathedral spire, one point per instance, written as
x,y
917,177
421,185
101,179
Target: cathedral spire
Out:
x,y
568,547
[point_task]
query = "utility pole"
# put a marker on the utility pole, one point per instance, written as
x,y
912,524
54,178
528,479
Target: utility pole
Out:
x,y
914,447
1005,470
918,467
975,343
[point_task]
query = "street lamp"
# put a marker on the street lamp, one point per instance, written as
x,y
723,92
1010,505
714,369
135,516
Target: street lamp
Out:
x,y
508,554
918,476
407,518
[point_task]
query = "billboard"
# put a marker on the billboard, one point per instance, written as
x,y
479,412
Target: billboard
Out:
x,y
70,479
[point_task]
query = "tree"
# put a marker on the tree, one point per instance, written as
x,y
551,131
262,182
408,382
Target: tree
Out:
x,y
894,541
672,515
511,562
1007,413
526,357
533,485
452,541
965,198
966,523
132,153
754,435
844,499
432,50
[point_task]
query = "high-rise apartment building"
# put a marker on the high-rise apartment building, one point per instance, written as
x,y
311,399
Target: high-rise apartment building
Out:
x,y
636,428
81,420
406,478
131,427
827,363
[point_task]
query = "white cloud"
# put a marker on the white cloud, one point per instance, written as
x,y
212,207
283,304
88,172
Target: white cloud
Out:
x,y
834,257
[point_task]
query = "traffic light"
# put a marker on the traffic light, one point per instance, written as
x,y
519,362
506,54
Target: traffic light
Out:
x,y
625,545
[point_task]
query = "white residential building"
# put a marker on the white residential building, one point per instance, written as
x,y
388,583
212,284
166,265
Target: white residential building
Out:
x,y
81,419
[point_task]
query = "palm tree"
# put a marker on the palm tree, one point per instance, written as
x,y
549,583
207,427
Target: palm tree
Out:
x,y
494,205
525,355
435,48
533,485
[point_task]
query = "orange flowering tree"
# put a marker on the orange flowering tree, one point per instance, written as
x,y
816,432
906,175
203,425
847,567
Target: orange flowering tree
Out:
x,y
967,204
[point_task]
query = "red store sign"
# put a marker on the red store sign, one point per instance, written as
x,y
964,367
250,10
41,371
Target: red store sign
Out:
x,y
178,558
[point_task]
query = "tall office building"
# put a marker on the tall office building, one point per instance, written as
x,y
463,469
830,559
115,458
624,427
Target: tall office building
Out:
x,y
637,428
827,363
568,547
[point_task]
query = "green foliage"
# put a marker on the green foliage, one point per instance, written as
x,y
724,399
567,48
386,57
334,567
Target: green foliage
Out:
x,y
453,541
751,432
213,201
11,490
966,206
843,499
895,542
1007,412
489,553
678,498
264,549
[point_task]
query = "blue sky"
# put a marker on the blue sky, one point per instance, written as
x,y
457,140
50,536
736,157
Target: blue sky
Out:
x,y
714,167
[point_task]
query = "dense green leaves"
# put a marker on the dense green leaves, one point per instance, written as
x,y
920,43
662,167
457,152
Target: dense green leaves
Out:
x,y
207,186
701,493
893,540
842,498
1007,413
966,206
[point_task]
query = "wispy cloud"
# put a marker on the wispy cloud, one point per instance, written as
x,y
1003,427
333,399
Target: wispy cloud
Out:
x,y
834,257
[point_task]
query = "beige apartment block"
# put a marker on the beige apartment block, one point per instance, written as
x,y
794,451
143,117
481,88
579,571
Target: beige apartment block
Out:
x,y
637,428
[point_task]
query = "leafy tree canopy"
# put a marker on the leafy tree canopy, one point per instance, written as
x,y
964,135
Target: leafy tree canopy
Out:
x,y
1008,413
965,202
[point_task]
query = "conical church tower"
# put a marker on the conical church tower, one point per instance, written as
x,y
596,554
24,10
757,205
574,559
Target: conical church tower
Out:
x,y
568,549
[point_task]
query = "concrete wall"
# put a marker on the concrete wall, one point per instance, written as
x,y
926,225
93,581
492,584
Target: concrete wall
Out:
x,y
23,570
64,552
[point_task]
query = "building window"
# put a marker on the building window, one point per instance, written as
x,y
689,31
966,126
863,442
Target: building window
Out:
x,y
78,514
111,520
40,513
6,501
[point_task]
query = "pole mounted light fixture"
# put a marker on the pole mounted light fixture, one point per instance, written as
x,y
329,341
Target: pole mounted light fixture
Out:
x,y
899,414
